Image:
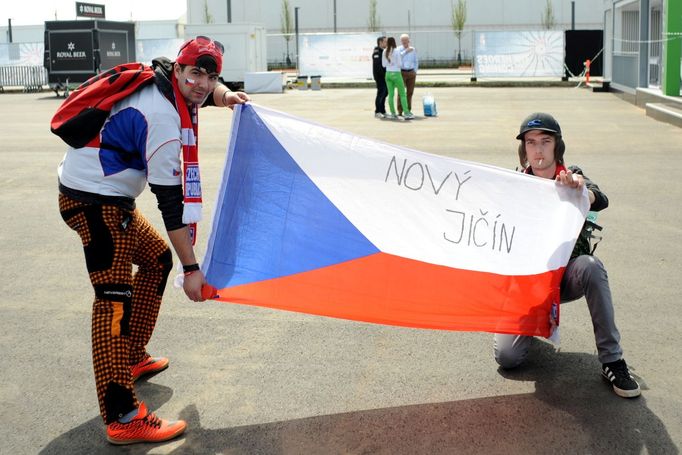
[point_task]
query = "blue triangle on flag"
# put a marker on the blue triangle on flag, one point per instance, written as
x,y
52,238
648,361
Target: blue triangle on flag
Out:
x,y
272,220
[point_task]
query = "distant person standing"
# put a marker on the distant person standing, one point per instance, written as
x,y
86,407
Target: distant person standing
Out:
x,y
391,60
379,73
408,69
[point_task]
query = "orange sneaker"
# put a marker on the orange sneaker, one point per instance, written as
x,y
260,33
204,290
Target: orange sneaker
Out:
x,y
145,427
148,365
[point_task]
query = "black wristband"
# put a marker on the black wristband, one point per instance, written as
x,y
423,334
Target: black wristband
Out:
x,y
190,268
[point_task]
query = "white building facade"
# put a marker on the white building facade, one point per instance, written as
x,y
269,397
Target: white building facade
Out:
x,y
428,22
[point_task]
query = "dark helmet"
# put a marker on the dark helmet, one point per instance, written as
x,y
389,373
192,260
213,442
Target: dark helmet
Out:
x,y
539,121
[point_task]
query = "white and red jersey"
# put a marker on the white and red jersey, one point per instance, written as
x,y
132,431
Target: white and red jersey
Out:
x,y
140,142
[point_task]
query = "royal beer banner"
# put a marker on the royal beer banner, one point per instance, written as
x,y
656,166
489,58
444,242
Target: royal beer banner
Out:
x,y
320,221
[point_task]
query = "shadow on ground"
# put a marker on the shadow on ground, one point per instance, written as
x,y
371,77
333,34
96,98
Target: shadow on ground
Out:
x,y
571,411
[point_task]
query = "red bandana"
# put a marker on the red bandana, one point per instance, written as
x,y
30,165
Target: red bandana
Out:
x,y
201,46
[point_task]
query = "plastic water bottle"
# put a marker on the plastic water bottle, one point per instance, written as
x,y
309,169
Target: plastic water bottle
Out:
x,y
592,216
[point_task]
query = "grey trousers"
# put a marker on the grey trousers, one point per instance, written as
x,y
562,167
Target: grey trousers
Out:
x,y
584,276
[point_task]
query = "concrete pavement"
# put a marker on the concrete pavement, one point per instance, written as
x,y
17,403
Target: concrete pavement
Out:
x,y
252,380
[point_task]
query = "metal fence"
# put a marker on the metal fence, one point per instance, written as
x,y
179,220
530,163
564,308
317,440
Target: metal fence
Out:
x,y
30,78
21,65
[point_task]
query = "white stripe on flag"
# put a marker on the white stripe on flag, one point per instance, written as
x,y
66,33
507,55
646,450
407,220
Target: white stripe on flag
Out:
x,y
436,209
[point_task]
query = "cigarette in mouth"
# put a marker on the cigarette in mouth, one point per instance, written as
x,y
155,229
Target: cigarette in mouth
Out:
x,y
540,161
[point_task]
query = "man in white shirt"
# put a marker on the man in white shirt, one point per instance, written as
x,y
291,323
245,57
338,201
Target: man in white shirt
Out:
x,y
409,68
145,139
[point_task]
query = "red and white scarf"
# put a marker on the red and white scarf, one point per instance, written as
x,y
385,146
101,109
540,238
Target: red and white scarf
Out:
x,y
191,181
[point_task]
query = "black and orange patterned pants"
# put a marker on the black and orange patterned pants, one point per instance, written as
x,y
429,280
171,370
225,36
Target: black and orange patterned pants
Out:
x,y
126,303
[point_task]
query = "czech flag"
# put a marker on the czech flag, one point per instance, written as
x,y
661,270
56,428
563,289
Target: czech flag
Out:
x,y
319,221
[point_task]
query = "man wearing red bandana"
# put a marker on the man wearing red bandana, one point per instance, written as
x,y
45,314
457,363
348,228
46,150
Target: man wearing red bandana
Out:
x,y
148,137
541,153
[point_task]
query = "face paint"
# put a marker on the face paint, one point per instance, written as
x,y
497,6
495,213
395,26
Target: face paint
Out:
x,y
190,82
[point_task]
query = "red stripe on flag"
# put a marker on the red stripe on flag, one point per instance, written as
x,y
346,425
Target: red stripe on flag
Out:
x,y
392,290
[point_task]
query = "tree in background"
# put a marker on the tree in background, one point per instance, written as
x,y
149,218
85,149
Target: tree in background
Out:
x,y
458,19
207,13
287,25
373,24
547,18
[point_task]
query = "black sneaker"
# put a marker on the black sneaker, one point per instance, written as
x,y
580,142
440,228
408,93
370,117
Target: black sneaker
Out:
x,y
619,376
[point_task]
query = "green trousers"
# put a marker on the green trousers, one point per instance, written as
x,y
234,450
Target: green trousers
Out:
x,y
395,80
